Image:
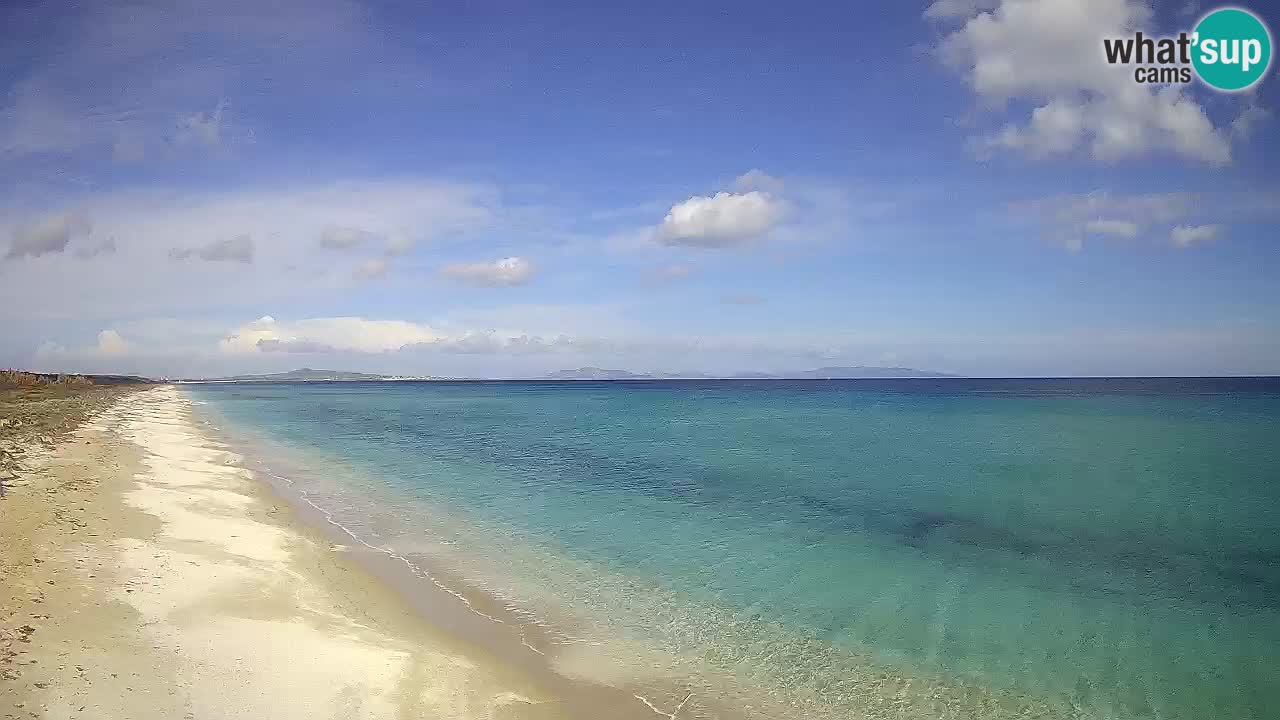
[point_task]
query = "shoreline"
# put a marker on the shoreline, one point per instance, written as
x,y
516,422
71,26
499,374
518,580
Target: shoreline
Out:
x,y
561,658
474,616
201,584
471,616
154,576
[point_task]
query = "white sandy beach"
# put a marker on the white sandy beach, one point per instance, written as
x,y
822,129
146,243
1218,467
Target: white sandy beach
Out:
x,y
155,578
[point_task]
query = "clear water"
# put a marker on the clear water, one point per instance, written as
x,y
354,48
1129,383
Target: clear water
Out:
x,y
847,548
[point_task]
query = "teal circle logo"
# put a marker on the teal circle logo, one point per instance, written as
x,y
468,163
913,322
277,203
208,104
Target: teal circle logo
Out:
x,y
1232,49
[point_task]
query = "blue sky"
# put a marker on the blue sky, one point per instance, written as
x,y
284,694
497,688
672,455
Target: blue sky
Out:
x,y
447,189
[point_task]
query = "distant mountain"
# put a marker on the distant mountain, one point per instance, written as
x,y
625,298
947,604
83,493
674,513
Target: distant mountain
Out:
x,y
310,375
595,373
822,373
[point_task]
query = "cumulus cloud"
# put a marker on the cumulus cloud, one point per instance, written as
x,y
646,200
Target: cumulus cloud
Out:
x,y
755,179
721,220
302,347
1187,235
504,272
363,335
48,235
368,336
1049,53
236,249
354,334
110,343
146,273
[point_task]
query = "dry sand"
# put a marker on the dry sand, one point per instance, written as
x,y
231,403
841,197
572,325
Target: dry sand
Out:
x,y
147,575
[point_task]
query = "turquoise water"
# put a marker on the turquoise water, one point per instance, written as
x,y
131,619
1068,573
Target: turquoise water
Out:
x,y
847,548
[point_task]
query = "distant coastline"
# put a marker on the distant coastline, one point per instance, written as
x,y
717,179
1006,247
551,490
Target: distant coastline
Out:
x,y
584,374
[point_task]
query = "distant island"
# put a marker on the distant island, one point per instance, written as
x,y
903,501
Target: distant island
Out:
x,y
310,375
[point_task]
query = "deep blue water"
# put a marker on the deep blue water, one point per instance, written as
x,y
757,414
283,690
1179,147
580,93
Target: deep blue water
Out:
x,y
1108,548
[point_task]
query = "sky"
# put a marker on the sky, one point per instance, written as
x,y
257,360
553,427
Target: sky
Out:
x,y
506,189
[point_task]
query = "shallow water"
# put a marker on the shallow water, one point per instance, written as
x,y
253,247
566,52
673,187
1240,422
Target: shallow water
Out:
x,y
894,548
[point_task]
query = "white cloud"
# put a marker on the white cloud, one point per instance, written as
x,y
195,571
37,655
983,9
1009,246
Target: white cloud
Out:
x,y
795,211
721,220
1068,219
1187,235
283,225
236,249
354,334
758,180
1142,209
47,235
369,336
504,272
161,347
110,343
362,335
945,9
1049,52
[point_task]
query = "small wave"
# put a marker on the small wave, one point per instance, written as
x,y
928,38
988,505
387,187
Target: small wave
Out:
x,y
414,568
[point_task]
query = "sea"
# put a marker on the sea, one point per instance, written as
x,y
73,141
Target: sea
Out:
x,y
917,548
